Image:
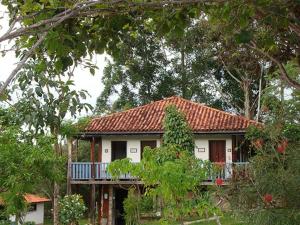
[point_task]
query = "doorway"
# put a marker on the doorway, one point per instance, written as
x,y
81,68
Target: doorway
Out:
x,y
120,196
217,151
118,150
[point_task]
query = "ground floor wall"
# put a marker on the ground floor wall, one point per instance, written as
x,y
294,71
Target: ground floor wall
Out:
x,y
36,214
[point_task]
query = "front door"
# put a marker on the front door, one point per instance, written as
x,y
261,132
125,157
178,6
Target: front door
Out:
x,y
118,150
217,152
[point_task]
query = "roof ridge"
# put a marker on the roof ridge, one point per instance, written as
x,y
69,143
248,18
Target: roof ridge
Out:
x,y
138,107
218,110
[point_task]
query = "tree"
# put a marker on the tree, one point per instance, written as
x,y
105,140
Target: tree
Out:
x,y
47,97
24,167
269,28
71,29
150,67
78,26
266,193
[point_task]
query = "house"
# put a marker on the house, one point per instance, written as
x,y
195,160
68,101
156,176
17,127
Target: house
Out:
x,y
219,137
35,211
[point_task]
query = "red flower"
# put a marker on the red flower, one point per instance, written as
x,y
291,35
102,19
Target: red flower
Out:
x,y
219,181
280,149
268,198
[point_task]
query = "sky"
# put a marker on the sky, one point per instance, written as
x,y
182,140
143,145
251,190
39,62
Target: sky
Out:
x,y
82,79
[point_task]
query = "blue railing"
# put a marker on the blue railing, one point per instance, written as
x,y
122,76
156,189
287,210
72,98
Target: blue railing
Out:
x,y
98,171
88,170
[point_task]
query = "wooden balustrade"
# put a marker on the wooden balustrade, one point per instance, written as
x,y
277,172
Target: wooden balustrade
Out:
x,y
83,171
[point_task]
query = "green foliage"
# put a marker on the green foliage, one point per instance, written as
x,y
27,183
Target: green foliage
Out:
x,y
70,128
170,172
25,166
47,97
177,131
142,72
71,208
29,223
131,208
275,171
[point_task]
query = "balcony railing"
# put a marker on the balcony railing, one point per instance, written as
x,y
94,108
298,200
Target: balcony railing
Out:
x,y
88,170
98,171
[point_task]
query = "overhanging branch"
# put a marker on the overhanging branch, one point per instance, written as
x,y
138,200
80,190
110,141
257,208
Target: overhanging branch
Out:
x,y
283,74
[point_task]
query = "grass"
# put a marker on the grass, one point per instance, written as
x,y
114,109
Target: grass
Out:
x,y
81,222
225,220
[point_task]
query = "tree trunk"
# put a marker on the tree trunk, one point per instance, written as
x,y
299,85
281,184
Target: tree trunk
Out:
x,y
56,188
55,204
259,93
247,106
183,74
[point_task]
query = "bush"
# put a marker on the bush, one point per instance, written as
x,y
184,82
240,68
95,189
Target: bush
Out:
x,y
29,223
131,208
72,209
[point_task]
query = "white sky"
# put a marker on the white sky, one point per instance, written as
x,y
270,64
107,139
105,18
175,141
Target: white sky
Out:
x,y
83,79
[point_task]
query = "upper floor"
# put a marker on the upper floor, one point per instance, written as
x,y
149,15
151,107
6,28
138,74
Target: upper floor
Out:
x,y
225,150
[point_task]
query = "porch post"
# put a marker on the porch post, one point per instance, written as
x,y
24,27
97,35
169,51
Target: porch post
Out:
x,y
100,198
69,144
93,188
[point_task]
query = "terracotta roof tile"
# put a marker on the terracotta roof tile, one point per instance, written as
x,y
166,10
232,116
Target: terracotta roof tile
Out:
x,y
30,198
148,118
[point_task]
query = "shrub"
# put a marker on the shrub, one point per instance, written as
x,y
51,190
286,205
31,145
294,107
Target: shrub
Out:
x,y
29,223
72,209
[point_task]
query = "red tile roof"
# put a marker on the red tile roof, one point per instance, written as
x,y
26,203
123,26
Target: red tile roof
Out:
x,y
149,118
30,198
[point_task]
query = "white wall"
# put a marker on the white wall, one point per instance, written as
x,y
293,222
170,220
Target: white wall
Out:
x,y
132,143
36,216
106,150
203,142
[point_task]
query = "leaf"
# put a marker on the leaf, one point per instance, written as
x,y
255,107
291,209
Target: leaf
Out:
x,y
244,37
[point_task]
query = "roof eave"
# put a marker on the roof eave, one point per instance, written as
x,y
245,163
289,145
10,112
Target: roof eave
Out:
x,y
108,133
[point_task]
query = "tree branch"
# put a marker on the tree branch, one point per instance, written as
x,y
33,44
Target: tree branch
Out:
x,y
21,63
85,9
283,74
234,77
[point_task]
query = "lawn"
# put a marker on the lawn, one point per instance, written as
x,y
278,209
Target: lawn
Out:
x,y
81,222
225,220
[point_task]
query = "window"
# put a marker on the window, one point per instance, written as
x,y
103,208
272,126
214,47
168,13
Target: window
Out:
x,y
32,207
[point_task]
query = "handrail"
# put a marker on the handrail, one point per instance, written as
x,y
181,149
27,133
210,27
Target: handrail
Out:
x,y
98,171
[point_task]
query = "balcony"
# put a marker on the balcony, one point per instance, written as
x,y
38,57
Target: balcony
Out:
x,y
86,171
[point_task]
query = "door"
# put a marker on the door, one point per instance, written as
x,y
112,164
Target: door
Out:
x,y
118,150
120,196
217,151
151,144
